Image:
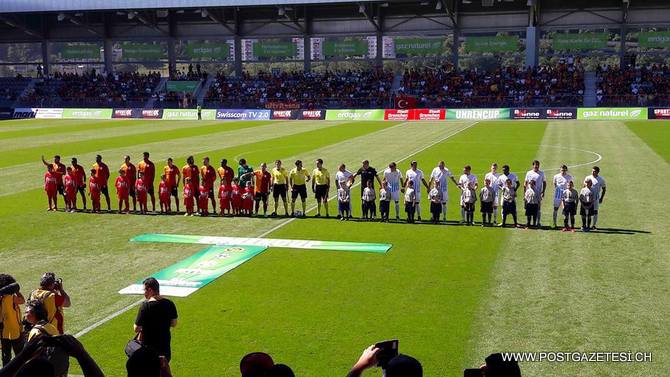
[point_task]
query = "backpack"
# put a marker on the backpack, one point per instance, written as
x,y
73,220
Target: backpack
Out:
x,y
54,355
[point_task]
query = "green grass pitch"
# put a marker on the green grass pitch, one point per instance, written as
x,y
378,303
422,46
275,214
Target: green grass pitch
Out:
x,y
451,294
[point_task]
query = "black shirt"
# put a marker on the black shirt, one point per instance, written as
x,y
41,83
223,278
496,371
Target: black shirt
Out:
x,y
368,174
155,318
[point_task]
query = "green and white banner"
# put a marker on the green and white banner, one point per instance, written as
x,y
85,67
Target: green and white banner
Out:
x,y
580,41
499,43
275,49
345,47
477,114
208,51
358,114
182,86
655,39
188,114
190,274
88,51
143,51
614,113
418,46
87,113
266,242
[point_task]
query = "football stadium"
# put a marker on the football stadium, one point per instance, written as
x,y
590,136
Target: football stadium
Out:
x,y
323,188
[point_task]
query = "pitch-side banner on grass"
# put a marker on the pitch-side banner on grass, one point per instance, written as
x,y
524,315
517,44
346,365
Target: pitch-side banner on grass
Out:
x,y
415,114
188,114
243,114
48,113
375,114
659,113
87,114
138,113
477,114
190,274
24,112
613,113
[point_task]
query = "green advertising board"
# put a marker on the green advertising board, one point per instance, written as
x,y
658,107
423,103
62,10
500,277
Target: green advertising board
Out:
x,y
500,43
80,52
188,114
143,51
343,48
655,39
614,113
87,114
581,41
275,49
207,51
190,274
418,46
477,114
182,86
355,114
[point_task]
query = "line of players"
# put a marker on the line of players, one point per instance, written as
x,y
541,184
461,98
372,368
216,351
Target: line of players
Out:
x,y
237,194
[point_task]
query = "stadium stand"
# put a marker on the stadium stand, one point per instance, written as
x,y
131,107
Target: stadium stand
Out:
x,y
643,86
11,89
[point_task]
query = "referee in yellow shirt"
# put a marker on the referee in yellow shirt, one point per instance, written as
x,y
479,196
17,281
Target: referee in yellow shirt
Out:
x,y
279,182
320,186
298,178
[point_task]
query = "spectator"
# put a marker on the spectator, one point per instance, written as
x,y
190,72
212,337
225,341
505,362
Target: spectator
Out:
x,y
399,366
280,370
10,317
495,366
144,363
256,364
54,297
155,318
633,86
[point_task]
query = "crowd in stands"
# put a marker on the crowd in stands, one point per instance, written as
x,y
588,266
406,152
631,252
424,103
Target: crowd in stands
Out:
x,y
559,85
178,99
11,88
630,86
41,348
351,89
93,89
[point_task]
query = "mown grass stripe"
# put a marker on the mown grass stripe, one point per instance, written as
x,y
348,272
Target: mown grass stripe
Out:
x,y
16,129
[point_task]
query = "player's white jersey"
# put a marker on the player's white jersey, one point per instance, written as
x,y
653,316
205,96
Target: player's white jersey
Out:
x,y
538,177
597,183
441,176
467,178
502,180
392,180
415,176
561,181
493,177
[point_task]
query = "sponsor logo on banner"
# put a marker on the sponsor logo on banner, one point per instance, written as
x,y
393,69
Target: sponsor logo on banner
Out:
x,y
24,113
478,114
242,114
47,113
613,113
123,113
284,114
661,114
526,114
87,113
567,113
277,105
429,114
398,114
312,114
180,114
152,113
375,114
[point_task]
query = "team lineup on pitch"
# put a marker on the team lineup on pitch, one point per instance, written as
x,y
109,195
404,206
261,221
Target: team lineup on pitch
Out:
x,y
496,272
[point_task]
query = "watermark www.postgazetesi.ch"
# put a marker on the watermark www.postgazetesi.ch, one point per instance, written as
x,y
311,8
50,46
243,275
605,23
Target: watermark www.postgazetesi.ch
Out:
x,y
579,357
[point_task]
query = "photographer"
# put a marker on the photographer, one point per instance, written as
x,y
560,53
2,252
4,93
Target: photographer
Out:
x,y
10,317
54,298
399,366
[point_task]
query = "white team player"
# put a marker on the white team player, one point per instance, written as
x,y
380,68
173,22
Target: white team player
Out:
x,y
561,181
394,183
598,187
537,175
342,177
440,174
416,176
502,181
493,176
464,181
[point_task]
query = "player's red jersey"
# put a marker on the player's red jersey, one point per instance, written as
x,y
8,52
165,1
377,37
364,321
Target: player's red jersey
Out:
x,y
141,190
50,182
171,174
102,173
236,197
149,170
122,188
203,196
79,175
70,185
59,171
188,196
224,196
163,192
94,188
248,198
209,175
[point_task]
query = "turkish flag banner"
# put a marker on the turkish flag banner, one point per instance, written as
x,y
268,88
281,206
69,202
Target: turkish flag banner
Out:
x,y
405,102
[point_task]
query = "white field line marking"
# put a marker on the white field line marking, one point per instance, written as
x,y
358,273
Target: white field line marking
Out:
x,y
312,208
127,308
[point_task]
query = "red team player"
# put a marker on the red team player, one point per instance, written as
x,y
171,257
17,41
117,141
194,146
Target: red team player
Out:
x,y
164,195
122,191
141,193
188,197
248,199
236,197
224,196
70,187
203,198
51,188
94,191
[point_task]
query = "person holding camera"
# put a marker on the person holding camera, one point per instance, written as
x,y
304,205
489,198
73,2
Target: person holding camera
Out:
x,y
10,317
398,365
54,298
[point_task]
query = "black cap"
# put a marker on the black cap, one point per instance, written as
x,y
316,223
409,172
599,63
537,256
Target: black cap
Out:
x,y
404,366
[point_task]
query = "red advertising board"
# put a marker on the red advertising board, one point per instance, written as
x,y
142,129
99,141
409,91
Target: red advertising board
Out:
x,y
429,114
661,113
398,114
